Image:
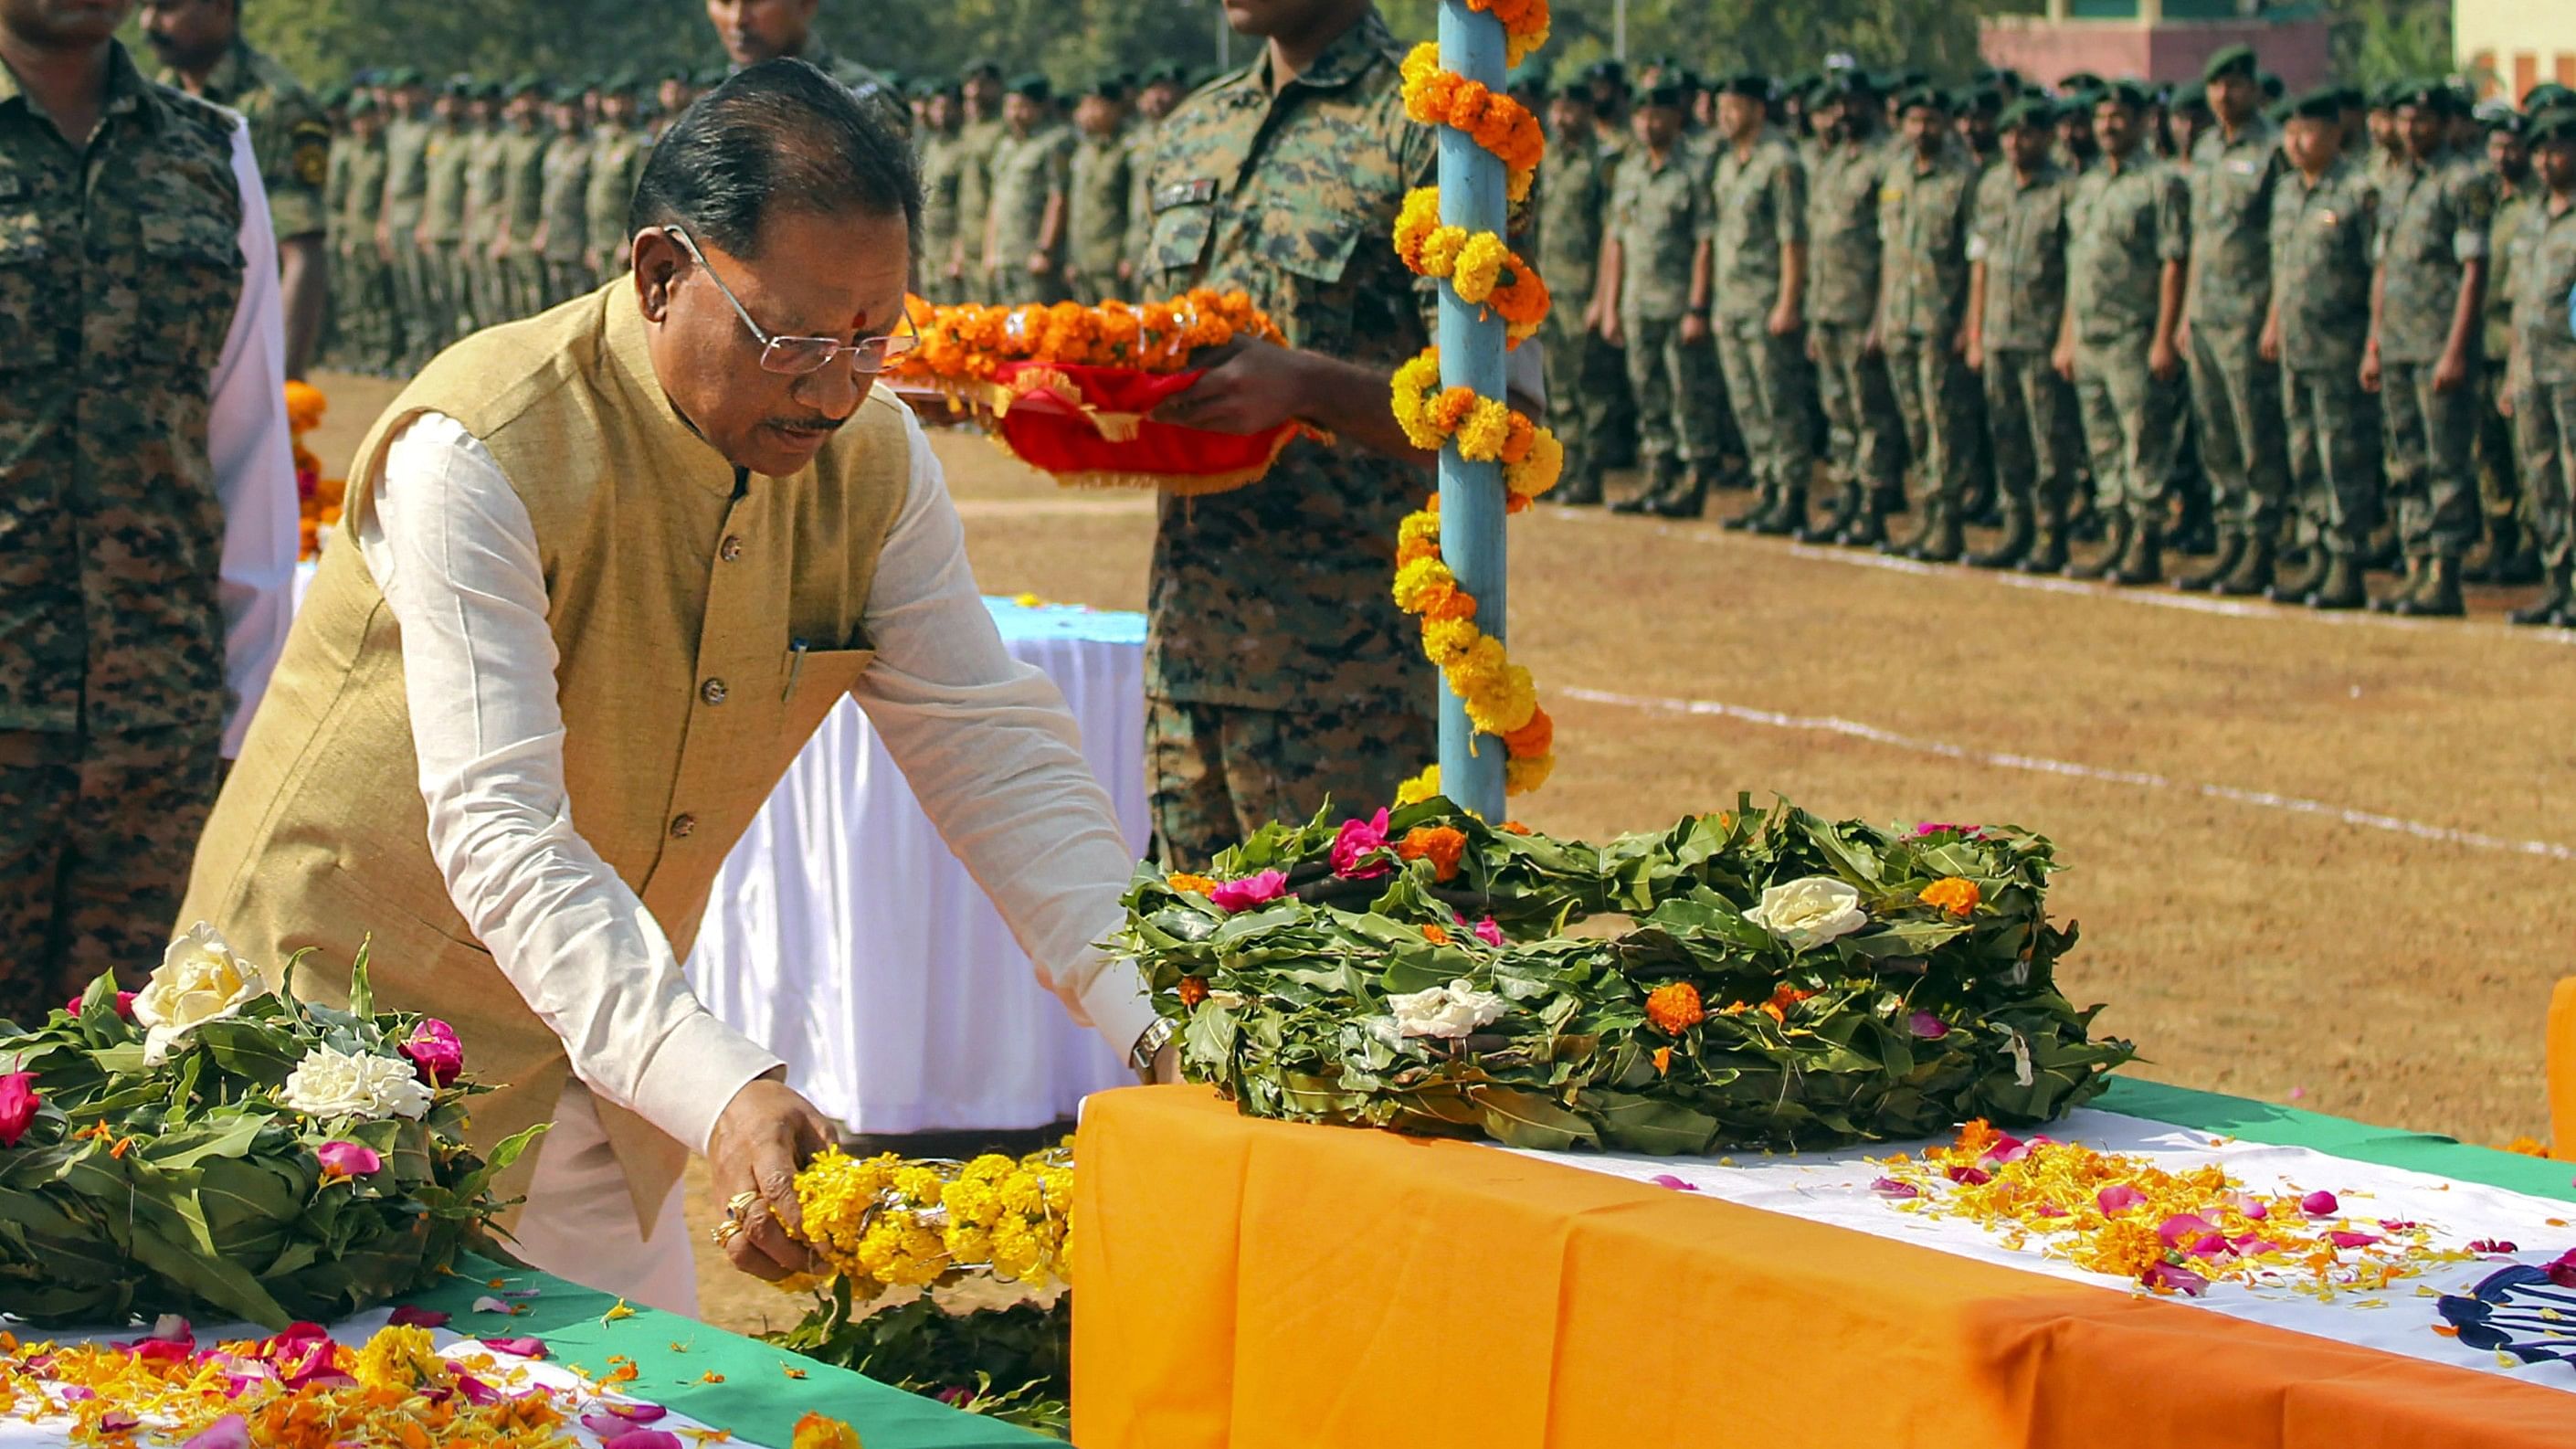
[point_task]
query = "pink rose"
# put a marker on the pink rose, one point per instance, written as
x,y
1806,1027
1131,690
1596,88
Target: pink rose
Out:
x,y
1251,891
348,1159
1358,841
1489,933
18,1105
435,1052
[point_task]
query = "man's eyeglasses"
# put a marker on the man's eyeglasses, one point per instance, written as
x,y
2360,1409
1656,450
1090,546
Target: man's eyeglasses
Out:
x,y
797,356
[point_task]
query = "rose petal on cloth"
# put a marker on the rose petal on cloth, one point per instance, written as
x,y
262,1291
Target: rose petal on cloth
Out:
x,y
2049,1210
517,1347
77,1394
2492,1245
621,1415
2345,1239
1968,1176
2320,1204
1894,1191
1666,1179
642,1439
232,1431
117,1421
2007,1148
2174,1230
410,1317
2175,1279
476,1391
2211,1245
2563,1271
489,1304
2118,1198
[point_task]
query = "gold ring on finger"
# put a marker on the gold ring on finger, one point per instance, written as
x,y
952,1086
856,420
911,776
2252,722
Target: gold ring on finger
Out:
x,y
725,1232
740,1204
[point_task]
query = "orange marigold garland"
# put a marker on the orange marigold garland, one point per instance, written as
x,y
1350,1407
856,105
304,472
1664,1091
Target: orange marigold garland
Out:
x,y
1525,25
966,345
1501,125
317,499
1475,264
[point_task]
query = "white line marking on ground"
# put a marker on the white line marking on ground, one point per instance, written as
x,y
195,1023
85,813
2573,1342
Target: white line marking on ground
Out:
x,y
2036,764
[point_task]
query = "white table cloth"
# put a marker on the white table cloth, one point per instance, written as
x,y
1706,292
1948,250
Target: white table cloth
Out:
x,y
846,938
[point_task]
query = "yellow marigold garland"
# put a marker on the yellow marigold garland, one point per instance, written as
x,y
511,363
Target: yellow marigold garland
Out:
x,y
1486,430
1503,126
1473,264
1524,22
883,1222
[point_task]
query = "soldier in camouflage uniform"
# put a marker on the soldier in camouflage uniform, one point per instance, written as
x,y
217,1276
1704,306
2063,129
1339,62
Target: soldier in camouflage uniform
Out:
x,y
486,177
979,140
1758,263
942,158
2017,299
2541,373
2235,168
518,267
128,618
2511,555
2423,357
441,232
1654,297
1095,196
2129,233
1024,239
616,164
370,339
1865,430
1161,90
2324,224
202,52
563,228
1583,369
1923,224
407,127
1279,674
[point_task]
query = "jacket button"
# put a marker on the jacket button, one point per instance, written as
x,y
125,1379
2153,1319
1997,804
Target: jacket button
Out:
x,y
713,691
681,825
731,548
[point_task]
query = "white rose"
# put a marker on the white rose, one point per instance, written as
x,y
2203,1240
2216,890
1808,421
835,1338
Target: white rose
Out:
x,y
1809,912
329,1083
200,980
1447,1011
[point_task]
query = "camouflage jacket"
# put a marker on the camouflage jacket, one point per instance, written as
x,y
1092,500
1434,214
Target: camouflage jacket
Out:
x,y
977,144
1660,214
942,169
406,172
1573,216
1842,235
487,162
2232,184
2020,235
2544,272
2123,226
443,203
1923,235
289,136
2322,240
564,195
1139,242
1275,596
2517,207
1028,171
1095,200
2432,223
1760,199
523,184
363,197
120,270
616,164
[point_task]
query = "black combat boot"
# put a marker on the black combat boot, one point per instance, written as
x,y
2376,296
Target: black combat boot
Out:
x,y
2553,605
2437,593
2252,573
2143,562
2014,546
2115,545
2341,588
2231,552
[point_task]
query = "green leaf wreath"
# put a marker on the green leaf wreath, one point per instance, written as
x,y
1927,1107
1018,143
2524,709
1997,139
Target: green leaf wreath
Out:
x,y
154,1158
1780,980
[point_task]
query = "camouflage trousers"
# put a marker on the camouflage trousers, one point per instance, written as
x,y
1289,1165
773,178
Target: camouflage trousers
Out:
x,y
2544,434
2132,423
1864,433
1657,376
2030,416
1708,425
416,301
524,277
2431,450
1586,380
367,329
2500,493
2333,441
1936,396
1768,380
2236,410
96,833
1219,772
1092,286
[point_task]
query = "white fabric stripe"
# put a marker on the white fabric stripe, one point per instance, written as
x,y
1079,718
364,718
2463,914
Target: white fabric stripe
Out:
x,y
2039,764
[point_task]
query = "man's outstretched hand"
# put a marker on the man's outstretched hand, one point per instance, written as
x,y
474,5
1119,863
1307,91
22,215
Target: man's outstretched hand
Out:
x,y
1249,387
764,1135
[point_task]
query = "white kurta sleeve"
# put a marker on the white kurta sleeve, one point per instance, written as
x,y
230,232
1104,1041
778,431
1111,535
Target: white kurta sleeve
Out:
x,y
451,545
253,459
994,756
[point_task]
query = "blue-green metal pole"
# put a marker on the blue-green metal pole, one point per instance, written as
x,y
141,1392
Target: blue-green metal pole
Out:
x,y
1471,356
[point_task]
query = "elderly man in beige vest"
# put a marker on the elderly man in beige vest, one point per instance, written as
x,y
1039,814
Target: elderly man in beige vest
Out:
x,y
613,565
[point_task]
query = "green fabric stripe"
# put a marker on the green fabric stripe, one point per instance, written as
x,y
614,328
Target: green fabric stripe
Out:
x,y
2289,1127
757,1400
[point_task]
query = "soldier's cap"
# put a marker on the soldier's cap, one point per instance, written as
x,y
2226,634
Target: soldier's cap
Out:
x,y
1032,85
335,98
2324,103
2554,127
361,104
1998,75
1669,94
2272,85
932,87
1170,73
1530,76
1802,83
570,93
1924,97
519,85
1743,83
2422,95
1110,87
462,87
405,76
982,67
1847,83
2028,111
624,80
2499,115
2384,96
1577,90
2236,60
680,73
2189,96
1912,78
2125,93
2542,96
2082,80
1978,100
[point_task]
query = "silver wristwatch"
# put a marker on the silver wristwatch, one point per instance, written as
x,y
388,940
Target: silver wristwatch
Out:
x,y
1149,1046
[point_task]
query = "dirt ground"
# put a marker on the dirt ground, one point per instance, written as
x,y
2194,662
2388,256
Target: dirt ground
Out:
x,y
2321,859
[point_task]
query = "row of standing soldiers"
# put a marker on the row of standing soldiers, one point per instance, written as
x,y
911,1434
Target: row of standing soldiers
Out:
x,y
2311,337
467,203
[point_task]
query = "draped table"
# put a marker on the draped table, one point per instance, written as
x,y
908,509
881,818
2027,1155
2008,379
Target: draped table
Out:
x,y
845,937
1252,1283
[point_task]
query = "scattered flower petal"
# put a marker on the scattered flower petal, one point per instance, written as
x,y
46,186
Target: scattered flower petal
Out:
x,y
1666,1179
2343,1238
232,1431
2118,1198
1927,1026
2320,1204
489,1304
410,1317
2173,1278
1894,1191
517,1347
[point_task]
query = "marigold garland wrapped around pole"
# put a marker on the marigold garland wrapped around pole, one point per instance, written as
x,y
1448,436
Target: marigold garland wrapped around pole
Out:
x,y
1493,460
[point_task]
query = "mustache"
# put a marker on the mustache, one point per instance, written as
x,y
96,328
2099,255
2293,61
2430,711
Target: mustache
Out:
x,y
811,424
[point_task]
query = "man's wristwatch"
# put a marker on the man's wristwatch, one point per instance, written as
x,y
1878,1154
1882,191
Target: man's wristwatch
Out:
x,y
1149,1046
